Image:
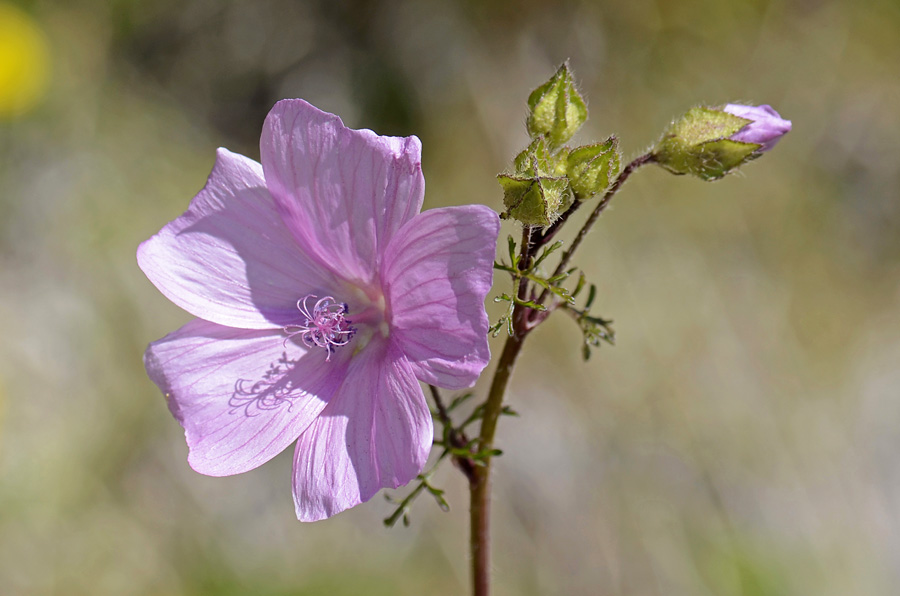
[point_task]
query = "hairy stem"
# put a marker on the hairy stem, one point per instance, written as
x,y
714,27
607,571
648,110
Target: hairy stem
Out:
x,y
600,208
523,320
480,488
480,484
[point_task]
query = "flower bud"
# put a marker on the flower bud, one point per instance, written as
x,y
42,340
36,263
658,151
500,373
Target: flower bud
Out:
x,y
533,201
709,143
766,126
591,168
557,110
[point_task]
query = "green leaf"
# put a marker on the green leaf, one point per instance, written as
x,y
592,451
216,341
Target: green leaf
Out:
x,y
550,287
402,510
580,285
459,399
561,277
592,293
531,304
546,253
486,454
513,256
508,411
494,329
438,495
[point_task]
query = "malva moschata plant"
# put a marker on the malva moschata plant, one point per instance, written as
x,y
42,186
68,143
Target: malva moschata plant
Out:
x,y
325,298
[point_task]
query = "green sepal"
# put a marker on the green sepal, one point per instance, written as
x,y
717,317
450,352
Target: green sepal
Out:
x,y
592,168
556,109
538,160
712,160
698,144
700,125
533,201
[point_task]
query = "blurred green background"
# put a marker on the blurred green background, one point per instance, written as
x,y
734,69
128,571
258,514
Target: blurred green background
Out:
x,y
742,438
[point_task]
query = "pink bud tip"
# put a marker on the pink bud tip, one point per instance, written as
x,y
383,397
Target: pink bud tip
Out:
x,y
766,127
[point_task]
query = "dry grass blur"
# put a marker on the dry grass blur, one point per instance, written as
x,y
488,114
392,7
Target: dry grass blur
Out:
x,y
743,437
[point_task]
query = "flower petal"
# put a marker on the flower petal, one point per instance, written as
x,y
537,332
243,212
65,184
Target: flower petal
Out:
x,y
229,258
437,272
375,433
766,126
242,396
342,192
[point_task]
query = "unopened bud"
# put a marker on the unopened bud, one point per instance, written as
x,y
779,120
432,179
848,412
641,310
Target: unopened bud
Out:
x,y
557,110
709,143
591,168
533,201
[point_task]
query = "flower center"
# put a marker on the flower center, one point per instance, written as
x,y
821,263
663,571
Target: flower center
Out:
x,y
326,325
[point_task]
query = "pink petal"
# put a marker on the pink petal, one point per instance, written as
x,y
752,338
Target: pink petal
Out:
x,y
237,414
766,126
375,433
437,272
343,193
229,258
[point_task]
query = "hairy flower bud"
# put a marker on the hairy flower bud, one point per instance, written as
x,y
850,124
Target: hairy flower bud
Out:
x,y
557,110
709,142
591,168
533,201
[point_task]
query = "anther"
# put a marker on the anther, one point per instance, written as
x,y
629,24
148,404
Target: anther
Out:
x,y
326,325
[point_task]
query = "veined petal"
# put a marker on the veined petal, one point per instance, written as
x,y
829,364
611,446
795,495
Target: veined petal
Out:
x,y
242,396
436,273
766,126
375,433
230,258
342,192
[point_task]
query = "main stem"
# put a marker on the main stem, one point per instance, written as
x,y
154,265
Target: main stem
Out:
x,y
480,481
480,487
480,476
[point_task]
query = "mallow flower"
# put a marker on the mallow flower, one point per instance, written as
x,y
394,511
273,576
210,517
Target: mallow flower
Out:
x,y
323,298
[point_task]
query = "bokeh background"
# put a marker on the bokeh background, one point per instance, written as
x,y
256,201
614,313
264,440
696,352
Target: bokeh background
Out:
x,y
741,439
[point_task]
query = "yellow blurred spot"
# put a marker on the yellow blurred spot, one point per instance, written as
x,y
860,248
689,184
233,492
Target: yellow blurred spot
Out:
x,y
24,61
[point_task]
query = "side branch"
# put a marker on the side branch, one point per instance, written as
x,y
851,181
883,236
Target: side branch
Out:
x,y
591,220
600,208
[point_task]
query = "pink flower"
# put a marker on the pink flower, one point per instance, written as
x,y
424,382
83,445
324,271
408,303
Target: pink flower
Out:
x,y
323,297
